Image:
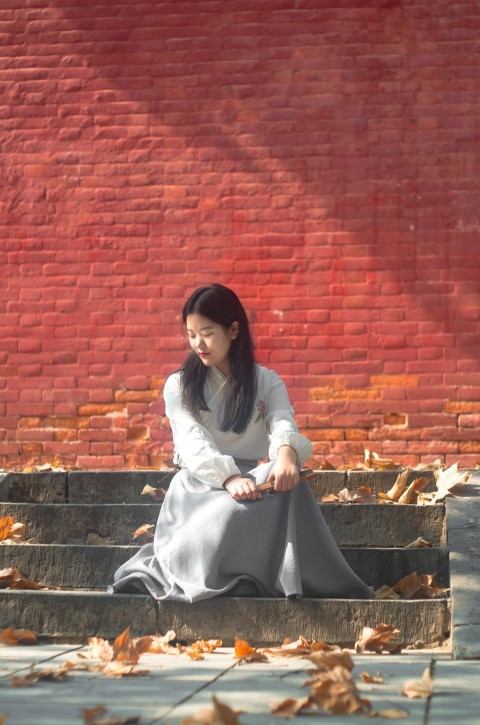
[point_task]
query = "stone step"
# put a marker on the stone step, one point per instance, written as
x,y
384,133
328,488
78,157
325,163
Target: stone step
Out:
x,y
74,566
73,616
126,486
370,525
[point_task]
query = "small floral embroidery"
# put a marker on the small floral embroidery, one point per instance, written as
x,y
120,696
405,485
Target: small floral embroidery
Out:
x,y
261,407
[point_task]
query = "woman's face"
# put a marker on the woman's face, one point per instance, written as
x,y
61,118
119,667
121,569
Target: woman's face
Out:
x,y
211,341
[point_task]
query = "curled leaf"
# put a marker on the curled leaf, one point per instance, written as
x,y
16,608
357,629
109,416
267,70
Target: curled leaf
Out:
x,y
12,579
419,688
377,639
158,494
371,679
247,653
418,544
11,636
147,530
419,586
337,692
449,481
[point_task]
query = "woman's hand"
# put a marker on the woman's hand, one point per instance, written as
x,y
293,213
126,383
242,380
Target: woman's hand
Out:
x,y
285,472
242,488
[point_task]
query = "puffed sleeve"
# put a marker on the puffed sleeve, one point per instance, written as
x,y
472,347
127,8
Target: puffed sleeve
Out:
x,y
193,442
281,423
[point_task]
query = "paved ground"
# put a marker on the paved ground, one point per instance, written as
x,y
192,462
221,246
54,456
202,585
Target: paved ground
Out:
x,y
176,688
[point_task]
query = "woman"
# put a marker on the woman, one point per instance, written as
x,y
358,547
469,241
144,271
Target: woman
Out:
x,y
216,533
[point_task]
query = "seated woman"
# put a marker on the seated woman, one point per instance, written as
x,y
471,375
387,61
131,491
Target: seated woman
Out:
x,y
216,533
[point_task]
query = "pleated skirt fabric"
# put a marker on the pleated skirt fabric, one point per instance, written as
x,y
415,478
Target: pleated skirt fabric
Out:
x,y
206,542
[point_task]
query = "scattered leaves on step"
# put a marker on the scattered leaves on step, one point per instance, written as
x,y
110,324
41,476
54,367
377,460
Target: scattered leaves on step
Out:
x,y
126,649
119,659
418,544
147,530
54,674
11,531
371,679
219,714
449,481
419,688
94,716
376,639
11,636
419,586
299,648
246,653
335,690
157,494
12,579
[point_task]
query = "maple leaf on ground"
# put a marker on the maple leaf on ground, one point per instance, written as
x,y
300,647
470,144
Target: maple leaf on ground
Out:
x,y
419,586
419,688
246,653
146,530
12,579
449,481
336,691
219,714
377,639
324,661
59,674
11,636
299,648
292,707
93,716
158,494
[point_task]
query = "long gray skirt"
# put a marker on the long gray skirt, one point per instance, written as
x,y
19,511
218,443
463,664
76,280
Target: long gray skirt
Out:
x,y
206,542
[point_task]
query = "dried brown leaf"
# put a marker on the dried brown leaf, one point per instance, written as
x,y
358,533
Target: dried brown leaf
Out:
x,y
449,481
399,486
419,586
99,649
158,494
11,636
411,494
386,592
207,646
126,649
147,530
324,661
121,669
377,639
161,643
364,494
292,707
219,714
299,648
58,674
330,498
418,544
11,531
373,461
419,688
337,692
12,579
247,653
371,679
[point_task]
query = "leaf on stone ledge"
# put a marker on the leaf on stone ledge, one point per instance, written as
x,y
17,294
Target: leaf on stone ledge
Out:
x,y
161,643
377,639
419,586
219,714
158,494
343,496
11,636
246,653
146,530
363,494
419,688
411,494
386,592
419,543
12,579
449,481
373,461
11,531
398,487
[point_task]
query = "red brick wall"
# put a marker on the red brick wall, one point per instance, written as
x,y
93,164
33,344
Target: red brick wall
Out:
x,y
320,157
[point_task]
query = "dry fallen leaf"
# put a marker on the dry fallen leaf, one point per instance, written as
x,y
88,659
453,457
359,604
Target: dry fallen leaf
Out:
x,y
12,579
386,592
419,688
337,692
364,494
324,661
398,487
59,674
98,649
161,643
119,669
126,649
11,636
411,494
147,530
377,639
247,653
343,496
449,481
299,648
292,707
219,714
11,531
158,494
367,677
418,544
373,461
419,586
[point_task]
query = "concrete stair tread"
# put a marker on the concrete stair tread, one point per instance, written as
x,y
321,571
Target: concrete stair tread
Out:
x,y
77,614
351,524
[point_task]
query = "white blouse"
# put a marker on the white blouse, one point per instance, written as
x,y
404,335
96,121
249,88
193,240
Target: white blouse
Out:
x,y
209,453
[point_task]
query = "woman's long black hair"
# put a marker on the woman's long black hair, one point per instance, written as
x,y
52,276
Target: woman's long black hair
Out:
x,y
221,305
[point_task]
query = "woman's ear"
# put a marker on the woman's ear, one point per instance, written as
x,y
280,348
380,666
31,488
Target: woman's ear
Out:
x,y
234,330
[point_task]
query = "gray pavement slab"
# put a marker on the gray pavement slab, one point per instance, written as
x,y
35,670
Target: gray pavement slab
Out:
x,y
176,688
